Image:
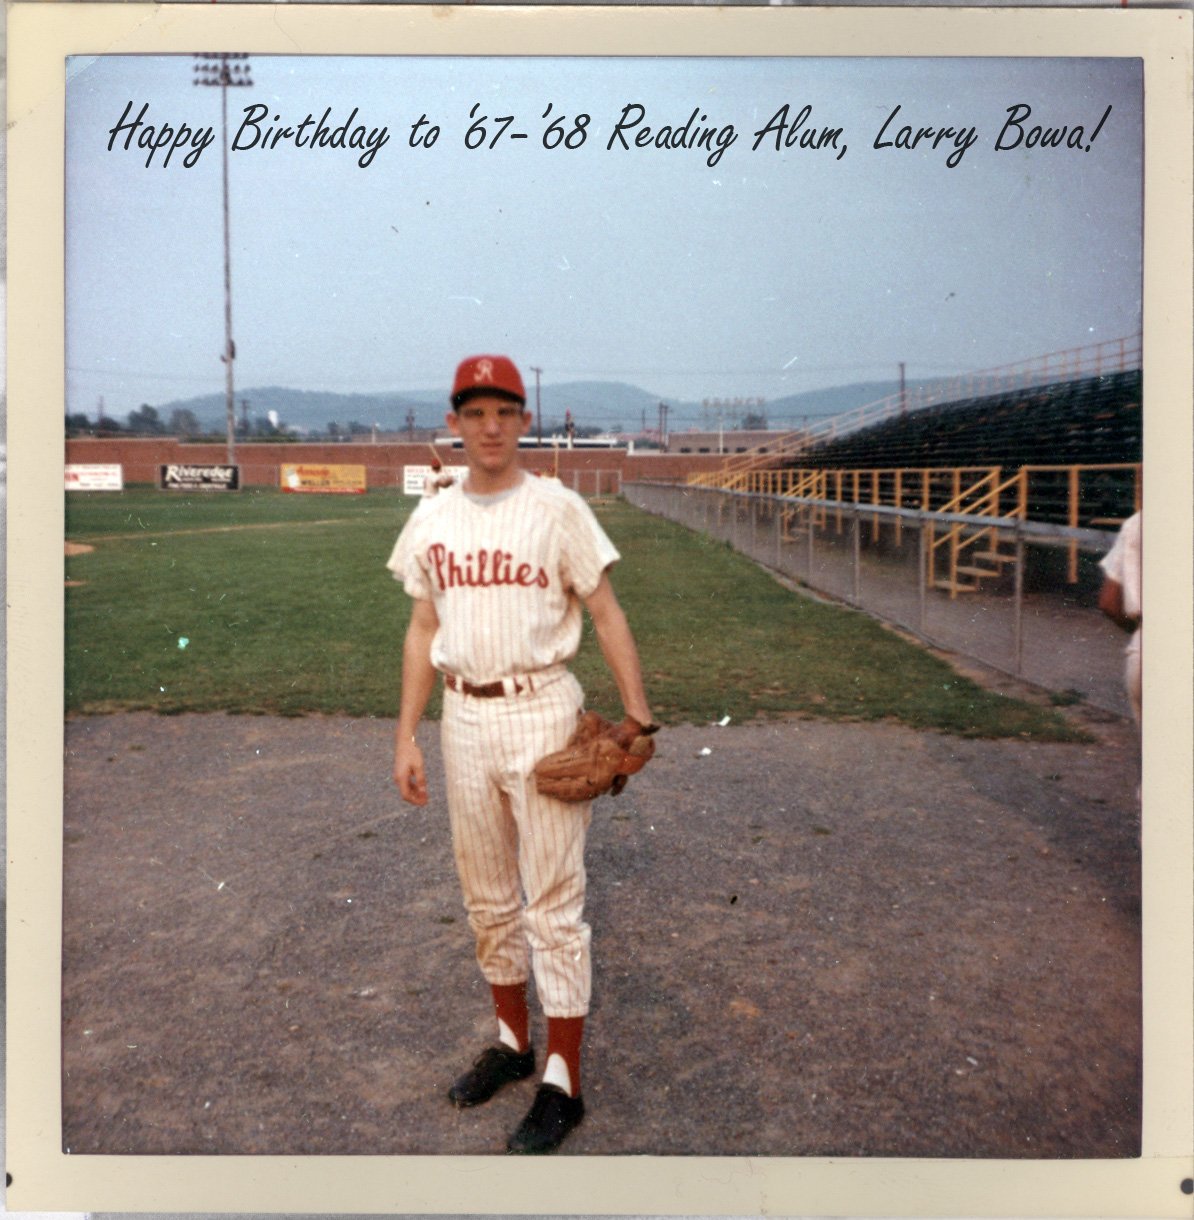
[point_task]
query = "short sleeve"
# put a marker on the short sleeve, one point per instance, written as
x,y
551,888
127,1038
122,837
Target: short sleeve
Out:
x,y
1112,564
1122,563
403,562
586,551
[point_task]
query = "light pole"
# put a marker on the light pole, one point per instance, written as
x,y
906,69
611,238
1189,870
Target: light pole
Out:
x,y
538,413
224,68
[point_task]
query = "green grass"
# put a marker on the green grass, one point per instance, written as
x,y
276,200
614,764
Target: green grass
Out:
x,y
142,511
292,611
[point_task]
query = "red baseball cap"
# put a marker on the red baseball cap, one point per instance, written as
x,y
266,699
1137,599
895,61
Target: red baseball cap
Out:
x,y
487,375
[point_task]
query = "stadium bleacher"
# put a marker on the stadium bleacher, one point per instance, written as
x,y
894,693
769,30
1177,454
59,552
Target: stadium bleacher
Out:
x,y
1091,421
1088,422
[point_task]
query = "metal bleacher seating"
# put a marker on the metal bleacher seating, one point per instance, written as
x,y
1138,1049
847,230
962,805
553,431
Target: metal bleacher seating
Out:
x,y
1056,440
1088,422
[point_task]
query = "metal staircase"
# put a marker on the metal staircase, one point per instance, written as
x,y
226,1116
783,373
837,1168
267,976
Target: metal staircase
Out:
x,y
971,552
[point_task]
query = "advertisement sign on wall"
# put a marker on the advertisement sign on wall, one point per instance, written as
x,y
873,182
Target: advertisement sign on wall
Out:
x,y
414,477
341,480
179,476
95,477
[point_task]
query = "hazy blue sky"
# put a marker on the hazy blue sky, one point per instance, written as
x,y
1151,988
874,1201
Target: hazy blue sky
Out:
x,y
764,274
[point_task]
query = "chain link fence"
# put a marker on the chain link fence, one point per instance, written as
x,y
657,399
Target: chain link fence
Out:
x,y
1032,613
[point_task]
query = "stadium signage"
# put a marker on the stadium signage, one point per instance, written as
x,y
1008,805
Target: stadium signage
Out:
x,y
414,477
95,477
179,477
328,479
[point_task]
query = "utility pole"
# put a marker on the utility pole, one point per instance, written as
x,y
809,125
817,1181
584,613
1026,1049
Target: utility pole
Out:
x,y
244,416
213,69
538,413
903,391
410,423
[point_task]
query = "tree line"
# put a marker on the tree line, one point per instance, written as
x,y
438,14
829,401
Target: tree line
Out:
x,y
181,422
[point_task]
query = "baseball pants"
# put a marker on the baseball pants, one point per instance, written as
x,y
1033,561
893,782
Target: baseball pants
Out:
x,y
509,841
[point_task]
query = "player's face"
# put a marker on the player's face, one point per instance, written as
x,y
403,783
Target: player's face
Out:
x,y
489,429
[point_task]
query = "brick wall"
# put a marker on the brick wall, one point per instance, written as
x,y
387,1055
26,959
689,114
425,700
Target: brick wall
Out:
x,y
589,471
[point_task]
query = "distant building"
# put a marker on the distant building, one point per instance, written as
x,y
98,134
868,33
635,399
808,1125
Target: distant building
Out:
x,y
387,436
550,442
730,440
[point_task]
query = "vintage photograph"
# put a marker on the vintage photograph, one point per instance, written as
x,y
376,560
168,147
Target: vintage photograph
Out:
x,y
850,907
602,611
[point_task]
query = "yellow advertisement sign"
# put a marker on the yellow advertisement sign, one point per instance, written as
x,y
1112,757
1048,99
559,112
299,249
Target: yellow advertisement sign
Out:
x,y
322,477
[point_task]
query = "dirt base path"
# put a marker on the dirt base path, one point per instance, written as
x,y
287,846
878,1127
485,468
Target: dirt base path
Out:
x,y
810,939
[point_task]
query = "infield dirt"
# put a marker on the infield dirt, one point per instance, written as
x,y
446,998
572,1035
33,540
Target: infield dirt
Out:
x,y
810,939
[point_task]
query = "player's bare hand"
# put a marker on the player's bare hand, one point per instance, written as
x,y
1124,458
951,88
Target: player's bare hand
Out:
x,y
409,774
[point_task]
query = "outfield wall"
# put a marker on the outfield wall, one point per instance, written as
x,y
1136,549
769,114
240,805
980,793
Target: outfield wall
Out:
x,y
588,471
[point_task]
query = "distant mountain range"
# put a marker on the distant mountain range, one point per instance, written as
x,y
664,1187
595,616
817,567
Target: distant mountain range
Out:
x,y
608,405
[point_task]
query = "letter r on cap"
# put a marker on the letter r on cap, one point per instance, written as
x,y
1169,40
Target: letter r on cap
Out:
x,y
484,371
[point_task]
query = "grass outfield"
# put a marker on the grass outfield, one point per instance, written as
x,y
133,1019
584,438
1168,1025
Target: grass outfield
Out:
x,y
260,602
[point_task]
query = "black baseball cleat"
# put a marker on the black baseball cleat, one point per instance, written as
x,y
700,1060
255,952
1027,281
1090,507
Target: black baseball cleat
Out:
x,y
494,1067
551,1117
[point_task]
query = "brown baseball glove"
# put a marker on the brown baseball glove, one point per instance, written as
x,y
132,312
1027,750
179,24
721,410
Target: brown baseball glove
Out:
x,y
598,758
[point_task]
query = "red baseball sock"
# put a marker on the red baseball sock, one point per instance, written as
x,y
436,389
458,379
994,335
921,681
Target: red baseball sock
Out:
x,y
510,1004
563,1039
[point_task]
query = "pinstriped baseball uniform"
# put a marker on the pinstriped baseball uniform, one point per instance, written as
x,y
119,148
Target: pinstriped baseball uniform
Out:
x,y
506,575
1122,565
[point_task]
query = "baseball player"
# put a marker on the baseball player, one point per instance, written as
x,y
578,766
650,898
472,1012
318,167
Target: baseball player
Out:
x,y
1119,599
435,480
499,566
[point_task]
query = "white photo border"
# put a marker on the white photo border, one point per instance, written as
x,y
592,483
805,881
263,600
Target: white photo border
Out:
x,y
41,36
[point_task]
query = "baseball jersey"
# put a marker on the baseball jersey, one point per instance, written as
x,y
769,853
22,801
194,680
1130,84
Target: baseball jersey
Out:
x,y
1122,565
506,576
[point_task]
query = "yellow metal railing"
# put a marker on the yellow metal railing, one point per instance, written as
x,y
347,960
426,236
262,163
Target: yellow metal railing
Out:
x,y
1075,476
977,492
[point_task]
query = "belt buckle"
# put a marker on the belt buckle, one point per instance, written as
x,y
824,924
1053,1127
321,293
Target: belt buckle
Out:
x,y
502,687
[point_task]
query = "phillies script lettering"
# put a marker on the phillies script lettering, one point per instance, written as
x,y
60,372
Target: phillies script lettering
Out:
x,y
795,133
483,570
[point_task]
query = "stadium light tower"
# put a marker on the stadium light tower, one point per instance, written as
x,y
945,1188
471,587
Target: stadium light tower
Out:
x,y
225,69
538,413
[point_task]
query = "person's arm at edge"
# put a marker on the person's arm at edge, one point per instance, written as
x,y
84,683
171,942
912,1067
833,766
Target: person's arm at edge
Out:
x,y
619,649
418,681
1111,602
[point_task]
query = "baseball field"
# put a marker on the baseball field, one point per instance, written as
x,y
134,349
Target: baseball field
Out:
x,y
853,908
280,604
